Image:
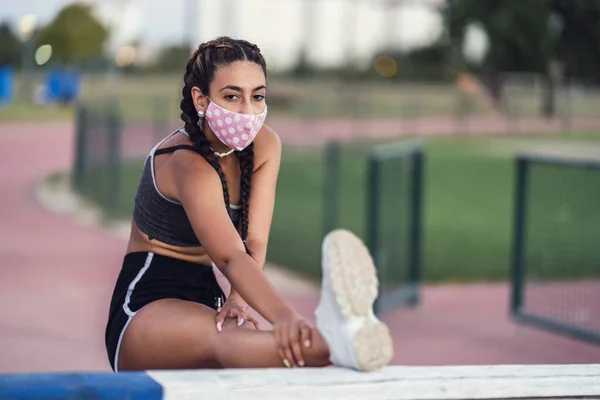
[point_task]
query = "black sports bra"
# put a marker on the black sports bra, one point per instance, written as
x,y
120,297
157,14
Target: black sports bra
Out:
x,y
160,217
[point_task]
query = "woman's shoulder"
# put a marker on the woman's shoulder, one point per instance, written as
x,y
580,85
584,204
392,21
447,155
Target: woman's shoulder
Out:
x,y
189,163
267,145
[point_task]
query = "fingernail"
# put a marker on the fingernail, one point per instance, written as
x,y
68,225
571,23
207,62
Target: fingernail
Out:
x,y
240,321
301,363
219,326
307,343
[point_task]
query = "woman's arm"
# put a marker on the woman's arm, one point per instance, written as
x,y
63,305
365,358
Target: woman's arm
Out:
x,y
199,190
262,197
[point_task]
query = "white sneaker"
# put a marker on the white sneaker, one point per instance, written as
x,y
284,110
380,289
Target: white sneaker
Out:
x,y
345,317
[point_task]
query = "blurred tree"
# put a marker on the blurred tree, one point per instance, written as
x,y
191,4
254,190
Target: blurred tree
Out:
x,y
173,58
518,34
578,45
550,37
75,34
575,30
10,46
303,67
430,63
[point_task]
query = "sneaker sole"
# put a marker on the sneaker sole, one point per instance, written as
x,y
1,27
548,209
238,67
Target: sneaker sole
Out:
x,y
355,284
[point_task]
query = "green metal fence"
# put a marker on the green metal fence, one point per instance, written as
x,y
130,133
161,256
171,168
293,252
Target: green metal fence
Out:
x,y
95,172
114,134
394,221
375,192
556,247
331,186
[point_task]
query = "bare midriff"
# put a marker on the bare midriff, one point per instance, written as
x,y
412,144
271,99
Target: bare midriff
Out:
x,y
138,241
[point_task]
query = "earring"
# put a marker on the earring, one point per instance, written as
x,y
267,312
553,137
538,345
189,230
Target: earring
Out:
x,y
200,118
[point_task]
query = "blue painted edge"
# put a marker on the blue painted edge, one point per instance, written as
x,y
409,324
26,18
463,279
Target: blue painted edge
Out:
x,y
76,386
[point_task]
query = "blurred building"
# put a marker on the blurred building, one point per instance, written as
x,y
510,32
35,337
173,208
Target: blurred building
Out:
x,y
123,17
332,31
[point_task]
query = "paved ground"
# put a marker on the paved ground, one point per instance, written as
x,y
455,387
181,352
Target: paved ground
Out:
x,y
56,276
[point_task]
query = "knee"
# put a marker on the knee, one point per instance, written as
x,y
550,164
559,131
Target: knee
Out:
x,y
232,323
248,325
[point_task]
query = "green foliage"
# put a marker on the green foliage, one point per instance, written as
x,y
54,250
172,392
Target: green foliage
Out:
x,y
10,46
303,67
518,31
579,44
527,35
173,59
532,36
75,35
426,64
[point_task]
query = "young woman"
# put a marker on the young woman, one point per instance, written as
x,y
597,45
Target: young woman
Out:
x,y
206,196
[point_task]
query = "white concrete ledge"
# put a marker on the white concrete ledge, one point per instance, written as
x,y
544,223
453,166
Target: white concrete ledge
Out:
x,y
453,382
415,383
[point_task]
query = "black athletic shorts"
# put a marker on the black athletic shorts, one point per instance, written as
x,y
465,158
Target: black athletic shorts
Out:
x,y
146,277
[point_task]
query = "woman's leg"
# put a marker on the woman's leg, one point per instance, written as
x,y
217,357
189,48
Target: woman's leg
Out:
x,y
177,334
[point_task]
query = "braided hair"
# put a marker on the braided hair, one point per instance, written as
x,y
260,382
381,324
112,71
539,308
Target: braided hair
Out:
x,y
200,72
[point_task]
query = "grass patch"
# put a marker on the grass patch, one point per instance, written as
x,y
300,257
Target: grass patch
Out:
x,y
17,112
563,223
468,209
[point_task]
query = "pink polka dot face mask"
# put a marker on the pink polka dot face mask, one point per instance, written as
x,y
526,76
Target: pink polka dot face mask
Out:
x,y
234,130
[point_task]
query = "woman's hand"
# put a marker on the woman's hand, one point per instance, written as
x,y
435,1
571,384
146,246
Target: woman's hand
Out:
x,y
291,332
234,308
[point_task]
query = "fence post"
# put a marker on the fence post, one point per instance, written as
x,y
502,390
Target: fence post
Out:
x,y
81,127
518,270
114,154
332,165
567,114
462,112
160,117
373,192
412,114
416,206
511,104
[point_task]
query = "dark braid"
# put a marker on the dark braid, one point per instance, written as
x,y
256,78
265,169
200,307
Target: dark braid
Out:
x,y
190,117
247,168
200,72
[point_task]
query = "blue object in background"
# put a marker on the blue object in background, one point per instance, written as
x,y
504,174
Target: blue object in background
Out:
x,y
62,85
80,386
6,84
